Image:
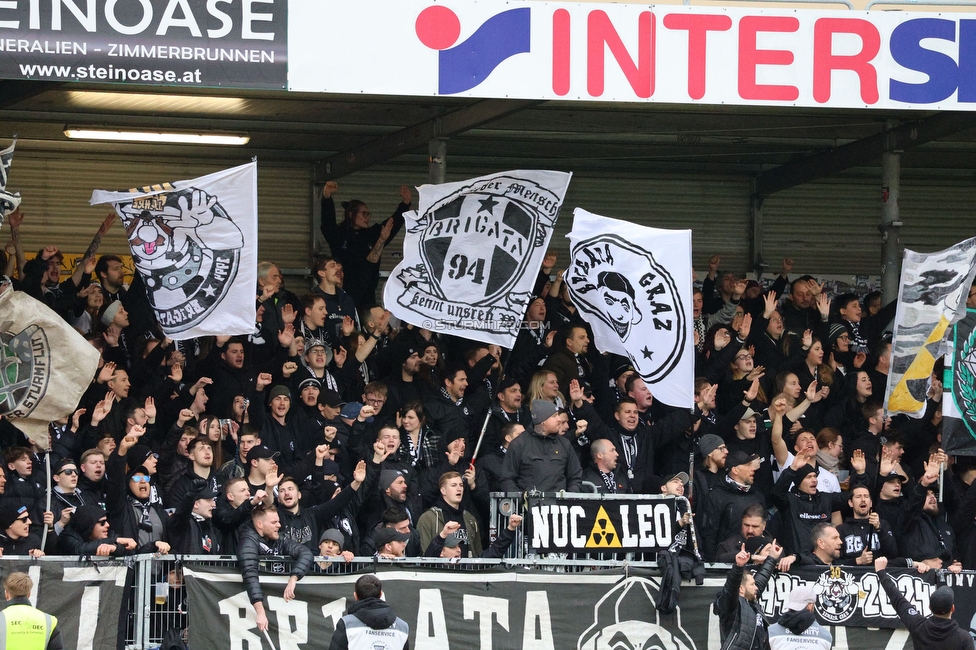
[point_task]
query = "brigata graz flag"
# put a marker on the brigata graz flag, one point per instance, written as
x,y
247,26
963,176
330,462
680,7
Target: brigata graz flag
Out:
x,y
472,252
932,296
632,284
45,365
8,201
195,245
959,386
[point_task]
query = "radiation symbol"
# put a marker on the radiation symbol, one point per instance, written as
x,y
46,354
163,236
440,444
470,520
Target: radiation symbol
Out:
x,y
603,535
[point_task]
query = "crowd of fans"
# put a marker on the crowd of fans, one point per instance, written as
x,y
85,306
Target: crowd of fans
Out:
x,y
329,429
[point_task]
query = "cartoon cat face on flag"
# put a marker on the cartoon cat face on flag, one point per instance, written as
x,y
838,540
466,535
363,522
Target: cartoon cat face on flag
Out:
x,y
191,241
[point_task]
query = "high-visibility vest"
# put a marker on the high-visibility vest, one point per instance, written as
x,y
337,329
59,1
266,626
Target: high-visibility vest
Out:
x,y
23,627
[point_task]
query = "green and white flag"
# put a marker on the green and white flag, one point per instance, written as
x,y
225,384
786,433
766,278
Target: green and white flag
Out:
x,y
959,385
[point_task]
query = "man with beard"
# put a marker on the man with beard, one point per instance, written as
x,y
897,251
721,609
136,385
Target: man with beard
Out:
x,y
191,530
448,508
927,536
797,626
402,384
741,621
727,502
568,362
394,490
448,411
753,534
711,471
602,472
865,535
394,517
261,539
799,310
303,524
826,544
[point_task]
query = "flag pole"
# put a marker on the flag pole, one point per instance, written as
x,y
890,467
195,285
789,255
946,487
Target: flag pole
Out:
x,y
47,465
484,425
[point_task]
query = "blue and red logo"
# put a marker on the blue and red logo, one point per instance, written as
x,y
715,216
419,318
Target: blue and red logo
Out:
x,y
462,66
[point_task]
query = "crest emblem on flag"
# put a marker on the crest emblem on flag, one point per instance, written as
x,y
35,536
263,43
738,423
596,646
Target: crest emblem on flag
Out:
x,y
25,369
472,253
187,270
8,201
194,244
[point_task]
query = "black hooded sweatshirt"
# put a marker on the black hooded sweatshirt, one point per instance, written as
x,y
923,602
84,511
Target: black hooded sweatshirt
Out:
x,y
926,631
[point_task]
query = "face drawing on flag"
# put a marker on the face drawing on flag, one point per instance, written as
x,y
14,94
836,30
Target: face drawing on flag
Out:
x,y
623,286
618,298
621,621
187,248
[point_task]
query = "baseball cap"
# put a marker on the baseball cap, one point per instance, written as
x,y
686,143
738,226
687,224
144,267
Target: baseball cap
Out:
x,y
330,398
682,475
452,541
350,411
386,535
258,452
941,600
739,457
748,414
893,476
799,598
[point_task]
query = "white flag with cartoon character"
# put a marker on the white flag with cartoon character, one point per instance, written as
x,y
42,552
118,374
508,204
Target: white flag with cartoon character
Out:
x,y
195,245
472,252
632,284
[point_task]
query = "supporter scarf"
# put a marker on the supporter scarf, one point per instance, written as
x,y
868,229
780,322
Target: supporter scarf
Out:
x,y
828,462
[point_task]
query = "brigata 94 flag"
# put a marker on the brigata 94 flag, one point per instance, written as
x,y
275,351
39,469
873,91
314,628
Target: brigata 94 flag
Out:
x,y
632,284
472,251
45,365
932,296
195,245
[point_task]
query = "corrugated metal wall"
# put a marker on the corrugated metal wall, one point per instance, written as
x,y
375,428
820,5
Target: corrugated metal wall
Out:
x,y
715,208
830,226
56,190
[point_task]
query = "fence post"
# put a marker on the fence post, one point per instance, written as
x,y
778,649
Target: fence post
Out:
x,y
141,610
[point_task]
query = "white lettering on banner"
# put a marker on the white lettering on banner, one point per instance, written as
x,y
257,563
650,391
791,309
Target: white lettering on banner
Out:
x,y
90,597
484,607
239,627
334,611
292,622
176,19
578,538
540,526
670,54
431,631
560,526
537,632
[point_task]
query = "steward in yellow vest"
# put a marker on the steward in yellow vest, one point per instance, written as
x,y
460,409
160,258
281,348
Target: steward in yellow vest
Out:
x,y
23,627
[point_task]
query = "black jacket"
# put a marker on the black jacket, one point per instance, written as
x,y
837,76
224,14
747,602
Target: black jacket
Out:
x,y
546,463
857,536
723,514
252,547
739,619
926,632
802,512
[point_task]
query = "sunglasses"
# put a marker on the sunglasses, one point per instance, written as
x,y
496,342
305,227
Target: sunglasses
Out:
x,y
102,522
69,472
139,478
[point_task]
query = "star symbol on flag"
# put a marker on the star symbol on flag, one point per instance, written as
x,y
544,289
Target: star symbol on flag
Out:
x,y
487,204
647,353
210,291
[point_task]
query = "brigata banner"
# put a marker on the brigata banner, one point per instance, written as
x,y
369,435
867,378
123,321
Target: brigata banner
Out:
x,y
541,610
472,253
84,596
147,42
564,525
637,52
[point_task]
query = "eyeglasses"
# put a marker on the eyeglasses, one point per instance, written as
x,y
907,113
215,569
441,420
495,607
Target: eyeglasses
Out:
x,y
843,337
740,357
374,400
776,320
141,478
69,472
